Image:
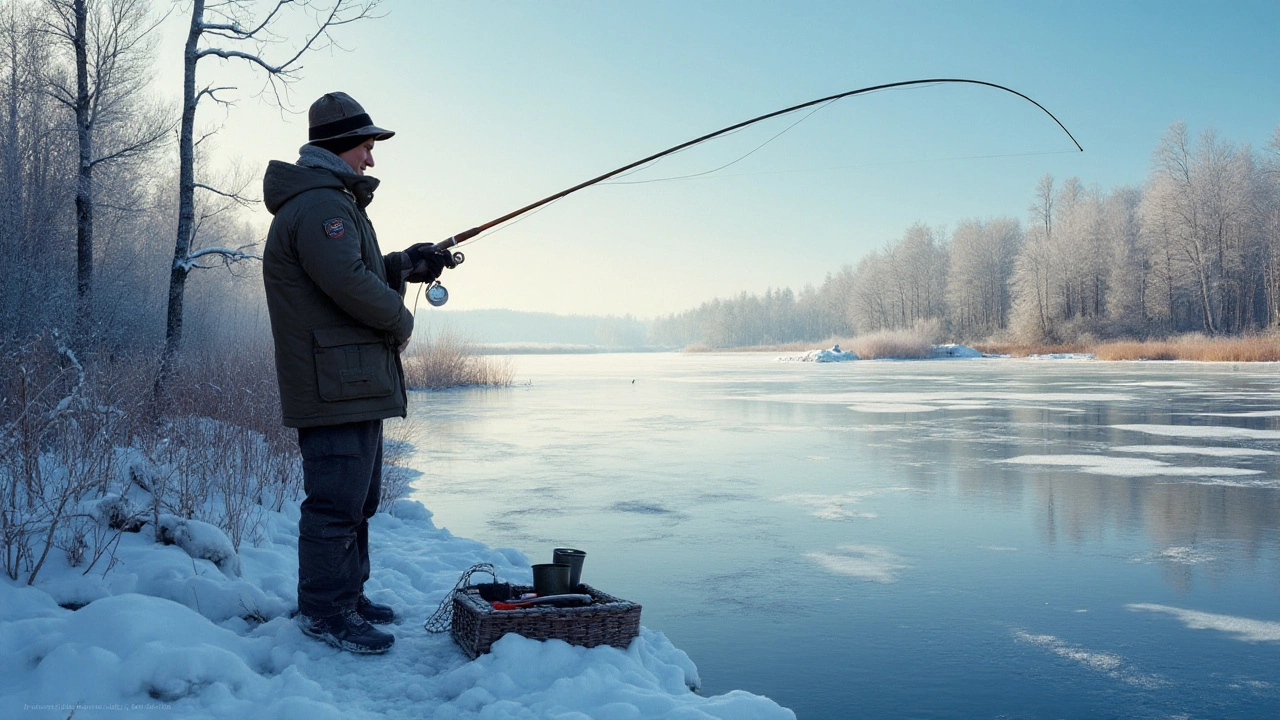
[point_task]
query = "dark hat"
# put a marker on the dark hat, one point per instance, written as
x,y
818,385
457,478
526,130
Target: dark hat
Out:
x,y
337,115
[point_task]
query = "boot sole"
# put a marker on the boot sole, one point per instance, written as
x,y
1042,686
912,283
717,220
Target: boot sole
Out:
x,y
345,645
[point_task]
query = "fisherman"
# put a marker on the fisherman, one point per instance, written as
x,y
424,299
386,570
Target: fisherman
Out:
x,y
339,323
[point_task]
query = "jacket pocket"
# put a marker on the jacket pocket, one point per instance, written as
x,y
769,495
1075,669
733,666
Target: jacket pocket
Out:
x,y
352,363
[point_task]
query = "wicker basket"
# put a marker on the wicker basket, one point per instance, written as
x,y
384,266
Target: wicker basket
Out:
x,y
606,621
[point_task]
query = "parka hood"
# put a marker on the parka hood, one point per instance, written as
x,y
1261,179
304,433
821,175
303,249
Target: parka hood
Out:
x,y
284,181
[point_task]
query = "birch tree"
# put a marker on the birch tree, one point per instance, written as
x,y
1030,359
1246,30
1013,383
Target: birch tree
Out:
x,y
231,30
110,43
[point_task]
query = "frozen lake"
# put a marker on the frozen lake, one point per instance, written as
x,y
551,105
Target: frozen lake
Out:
x,y
932,539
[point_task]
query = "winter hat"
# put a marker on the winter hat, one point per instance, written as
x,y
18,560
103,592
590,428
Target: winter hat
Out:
x,y
338,123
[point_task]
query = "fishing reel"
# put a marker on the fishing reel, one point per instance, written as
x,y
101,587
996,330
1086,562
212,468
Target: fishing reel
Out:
x,y
437,295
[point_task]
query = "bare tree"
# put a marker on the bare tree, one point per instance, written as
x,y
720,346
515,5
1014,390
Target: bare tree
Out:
x,y
110,42
982,258
1130,271
1202,197
1268,208
253,38
34,190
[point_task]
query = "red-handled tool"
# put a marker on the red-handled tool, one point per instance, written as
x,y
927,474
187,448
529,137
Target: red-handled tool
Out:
x,y
567,600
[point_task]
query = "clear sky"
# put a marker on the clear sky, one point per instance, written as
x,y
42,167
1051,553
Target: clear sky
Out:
x,y
497,104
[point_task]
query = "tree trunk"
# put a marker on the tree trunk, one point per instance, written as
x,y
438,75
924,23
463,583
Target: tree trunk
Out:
x,y
15,224
84,180
186,205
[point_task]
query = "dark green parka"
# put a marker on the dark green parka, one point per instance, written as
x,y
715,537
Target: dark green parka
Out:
x,y
336,302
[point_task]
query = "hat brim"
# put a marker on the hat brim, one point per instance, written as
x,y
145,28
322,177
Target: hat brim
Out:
x,y
372,131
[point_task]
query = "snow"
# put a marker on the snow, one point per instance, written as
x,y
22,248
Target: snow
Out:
x,y
1107,663
832,354
1126,466
1063,356
1246,629
188,628
1217,432
941,352
1191,450
864,562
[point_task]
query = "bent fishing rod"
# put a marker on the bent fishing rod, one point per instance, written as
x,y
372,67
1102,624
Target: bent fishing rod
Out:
x,y
437,295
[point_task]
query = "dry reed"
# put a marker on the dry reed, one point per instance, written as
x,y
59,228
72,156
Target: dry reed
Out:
x,y
451,361
891,344
1027,349
1248,348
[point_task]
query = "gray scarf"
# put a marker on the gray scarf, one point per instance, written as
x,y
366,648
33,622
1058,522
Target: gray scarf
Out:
x,y
317,157
360,186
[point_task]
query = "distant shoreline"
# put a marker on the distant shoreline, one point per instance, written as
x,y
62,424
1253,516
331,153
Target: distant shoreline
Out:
x,y
1249,348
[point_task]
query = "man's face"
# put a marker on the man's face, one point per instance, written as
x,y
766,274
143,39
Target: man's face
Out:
x,y
359,157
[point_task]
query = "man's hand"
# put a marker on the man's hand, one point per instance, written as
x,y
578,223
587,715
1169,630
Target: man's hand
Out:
x,y
427,262
403,345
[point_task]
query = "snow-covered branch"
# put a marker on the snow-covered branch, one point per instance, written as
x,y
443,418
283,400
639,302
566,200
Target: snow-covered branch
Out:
x,y
228,256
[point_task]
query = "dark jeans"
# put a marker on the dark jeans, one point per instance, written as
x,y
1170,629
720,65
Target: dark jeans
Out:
x,y
342,476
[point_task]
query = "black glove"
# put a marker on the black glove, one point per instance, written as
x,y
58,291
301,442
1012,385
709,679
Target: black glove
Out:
x,y
427,262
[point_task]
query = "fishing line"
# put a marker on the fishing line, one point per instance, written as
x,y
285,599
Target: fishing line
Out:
x,y
733,162
437,295
885,163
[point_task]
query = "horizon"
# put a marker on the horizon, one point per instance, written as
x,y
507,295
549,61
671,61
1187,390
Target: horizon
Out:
x,y
542,97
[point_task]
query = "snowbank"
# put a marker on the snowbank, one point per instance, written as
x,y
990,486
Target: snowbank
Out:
x,y
1063,356
940,352
181,627
834,354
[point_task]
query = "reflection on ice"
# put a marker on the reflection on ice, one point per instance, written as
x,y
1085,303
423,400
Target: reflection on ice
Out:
x,y
1180,555
1246,629
1109,664
865,562
834,507
1126,466
892,408
640,507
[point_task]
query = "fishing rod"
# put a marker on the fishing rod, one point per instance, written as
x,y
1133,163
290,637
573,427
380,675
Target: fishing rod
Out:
x,y
437,295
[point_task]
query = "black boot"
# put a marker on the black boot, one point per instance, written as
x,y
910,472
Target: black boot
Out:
x,y
374,612
347,631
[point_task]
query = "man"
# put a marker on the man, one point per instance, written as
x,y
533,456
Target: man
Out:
x,y
339,323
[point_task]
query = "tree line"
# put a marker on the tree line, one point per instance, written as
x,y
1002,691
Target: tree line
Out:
x,y
1195,248
112,198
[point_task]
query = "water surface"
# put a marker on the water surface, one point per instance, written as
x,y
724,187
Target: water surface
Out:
x,y
934,539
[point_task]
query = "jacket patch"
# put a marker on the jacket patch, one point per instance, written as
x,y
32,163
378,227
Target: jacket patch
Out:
x,y
335,228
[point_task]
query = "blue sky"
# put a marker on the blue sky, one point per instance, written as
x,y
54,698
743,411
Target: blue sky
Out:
x,y
499,104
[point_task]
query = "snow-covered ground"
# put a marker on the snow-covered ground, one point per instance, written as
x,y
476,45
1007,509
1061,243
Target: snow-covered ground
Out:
x,y
169,629
833,354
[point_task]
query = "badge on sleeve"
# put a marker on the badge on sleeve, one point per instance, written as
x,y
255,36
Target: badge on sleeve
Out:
x,y
334,228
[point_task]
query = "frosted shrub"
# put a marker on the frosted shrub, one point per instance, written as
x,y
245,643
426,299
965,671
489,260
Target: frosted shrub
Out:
x,y
56,451
397,445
